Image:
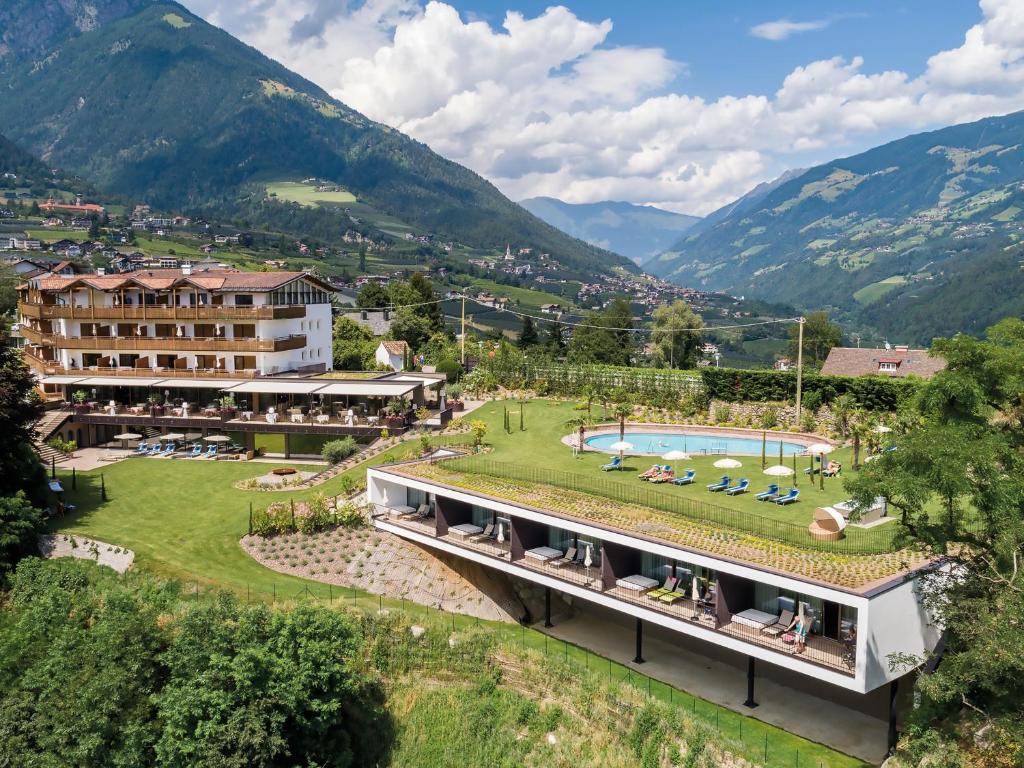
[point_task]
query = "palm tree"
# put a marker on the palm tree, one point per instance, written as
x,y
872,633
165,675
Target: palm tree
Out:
x,y
842,407
589,394
858,429
578,424
622,411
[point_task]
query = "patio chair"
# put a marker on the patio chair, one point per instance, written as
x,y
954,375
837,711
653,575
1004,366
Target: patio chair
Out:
x,y
780,626
674,596
142,448
655,469
615,463
196,450
721,485
211,452
686,479
155,449
664,589
567,559
665,476
773,491
789,498
423,511
169,449
742,487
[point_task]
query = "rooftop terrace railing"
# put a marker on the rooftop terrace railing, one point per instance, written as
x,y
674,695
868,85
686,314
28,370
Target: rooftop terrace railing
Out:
x,y
862,541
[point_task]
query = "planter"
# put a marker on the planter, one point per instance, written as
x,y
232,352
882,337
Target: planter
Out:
x,y
395,422
457,405
156,410
283,471
81,408
227,414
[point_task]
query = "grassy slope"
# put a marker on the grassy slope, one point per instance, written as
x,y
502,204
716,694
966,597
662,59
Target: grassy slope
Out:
x,y
307,194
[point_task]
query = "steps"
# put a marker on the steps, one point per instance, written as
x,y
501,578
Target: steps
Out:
x,y
47,454
44,429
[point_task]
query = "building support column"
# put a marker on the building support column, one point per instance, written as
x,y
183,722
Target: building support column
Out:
x,y
547,607
893,735
287,446
750,684
639,658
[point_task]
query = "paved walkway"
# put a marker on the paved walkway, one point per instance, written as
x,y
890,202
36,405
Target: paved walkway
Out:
x,y
85,459
796,711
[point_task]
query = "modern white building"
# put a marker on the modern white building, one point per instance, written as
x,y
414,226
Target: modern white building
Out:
x,y
726,601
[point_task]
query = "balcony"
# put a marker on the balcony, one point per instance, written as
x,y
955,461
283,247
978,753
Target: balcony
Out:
x,y
822,651
168,343
213,313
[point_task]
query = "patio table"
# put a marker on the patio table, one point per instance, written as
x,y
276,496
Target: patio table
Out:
x,y
544,553
465,529
322,418
247,415
636,583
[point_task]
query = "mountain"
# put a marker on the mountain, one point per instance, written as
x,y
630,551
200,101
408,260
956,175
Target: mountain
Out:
x,y
13,159
636,231
912,225
742,204
149,101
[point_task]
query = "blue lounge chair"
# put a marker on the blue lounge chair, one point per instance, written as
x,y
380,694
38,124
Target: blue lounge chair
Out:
x,y
169,449
615,463
142,448
211,451
687,478
788,498
773,490
738,489
154,449
196,450
721,485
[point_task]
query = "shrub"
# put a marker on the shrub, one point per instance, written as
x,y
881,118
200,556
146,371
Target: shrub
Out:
x,y
63,446
338,450
722,413
350,517
452,369
770,417
454,391
424,444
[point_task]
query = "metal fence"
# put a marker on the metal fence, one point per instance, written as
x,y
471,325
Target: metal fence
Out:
x,y
868,541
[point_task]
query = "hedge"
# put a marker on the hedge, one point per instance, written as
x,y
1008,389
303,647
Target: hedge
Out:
x,y
875,393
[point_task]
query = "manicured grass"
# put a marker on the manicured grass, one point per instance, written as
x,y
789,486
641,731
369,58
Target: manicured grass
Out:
x,y
165,246
527,298
307,194
540,445
53,235
872,293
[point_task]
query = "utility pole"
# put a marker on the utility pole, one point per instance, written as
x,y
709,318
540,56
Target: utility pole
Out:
x,y
462,342
799,365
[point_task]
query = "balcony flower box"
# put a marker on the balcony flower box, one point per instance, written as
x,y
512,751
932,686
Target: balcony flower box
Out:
x,y
228,413
82,408
395,422
156,410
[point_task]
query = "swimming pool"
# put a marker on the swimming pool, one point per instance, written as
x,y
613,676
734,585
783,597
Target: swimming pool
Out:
x,y
658,443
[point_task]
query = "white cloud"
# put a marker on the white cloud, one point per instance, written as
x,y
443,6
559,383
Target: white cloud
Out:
x,y
781,29
549,105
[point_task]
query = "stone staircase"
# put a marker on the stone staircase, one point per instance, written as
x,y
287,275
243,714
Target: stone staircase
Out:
x,y
44,429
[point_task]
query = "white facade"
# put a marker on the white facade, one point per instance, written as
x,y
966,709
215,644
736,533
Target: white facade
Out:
x,y
889,620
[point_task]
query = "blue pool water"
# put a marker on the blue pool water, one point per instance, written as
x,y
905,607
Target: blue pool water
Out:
x,y
658,443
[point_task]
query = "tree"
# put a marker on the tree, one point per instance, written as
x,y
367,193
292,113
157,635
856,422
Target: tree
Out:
x,y
528,335
479,429
579,425
604,337
373,296
20,408
20,522
676,335
622,411
842,409
410,326
820,336
427,298
362,259
555,341
353,345
956,483
9,280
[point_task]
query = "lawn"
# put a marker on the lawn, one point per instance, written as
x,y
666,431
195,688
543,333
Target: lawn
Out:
x,y
872,293
526,298
53,235
307,194
166,246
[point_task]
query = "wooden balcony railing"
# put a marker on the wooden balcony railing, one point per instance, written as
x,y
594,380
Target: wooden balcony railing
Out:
x,y
53,368
170,343
38,311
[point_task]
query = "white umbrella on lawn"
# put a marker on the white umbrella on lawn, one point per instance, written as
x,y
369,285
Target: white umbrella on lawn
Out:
x,y
676,456
172,436
728,464
621,446
778,470
821,449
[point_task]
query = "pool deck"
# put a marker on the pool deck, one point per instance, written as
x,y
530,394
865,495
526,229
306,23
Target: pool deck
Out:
x,y
800,438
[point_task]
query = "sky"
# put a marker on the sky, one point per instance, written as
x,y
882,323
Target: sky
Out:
x,y
683,104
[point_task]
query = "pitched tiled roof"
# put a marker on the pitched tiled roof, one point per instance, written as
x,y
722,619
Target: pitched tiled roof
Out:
x,y
162,279
396,347
853,361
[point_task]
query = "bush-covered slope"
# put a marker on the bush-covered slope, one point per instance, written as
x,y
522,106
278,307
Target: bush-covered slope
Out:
x,y
164,107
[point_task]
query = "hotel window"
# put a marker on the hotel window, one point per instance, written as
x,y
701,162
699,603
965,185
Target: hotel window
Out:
x,y
243,299
887,367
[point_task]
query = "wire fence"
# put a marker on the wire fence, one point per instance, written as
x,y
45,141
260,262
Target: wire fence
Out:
x,y
451,643
869,541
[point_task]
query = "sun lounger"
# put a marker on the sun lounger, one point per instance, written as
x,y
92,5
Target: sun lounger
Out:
x,y
484,534
789,498
664,589
663,477
687,478
615,463
570,556
169,450
655,469
738,489
672,597
196,450
211,452
154,450
721,485
142,448
773,491
423,512
780,626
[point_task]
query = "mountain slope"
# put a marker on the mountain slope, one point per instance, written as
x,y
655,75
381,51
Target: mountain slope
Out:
x,y
744,203
162,106
635,231
920,212
13,159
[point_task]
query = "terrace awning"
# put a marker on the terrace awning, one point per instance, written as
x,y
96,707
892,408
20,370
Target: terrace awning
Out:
x,y
427,381
61,379
117,381
389,388
201,383
278,387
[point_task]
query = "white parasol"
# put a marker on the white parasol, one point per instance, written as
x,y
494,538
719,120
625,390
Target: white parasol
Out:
x,y
172,436
728,464
217,438
125,437
820,448
676,456
882,429
621,446
778,470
